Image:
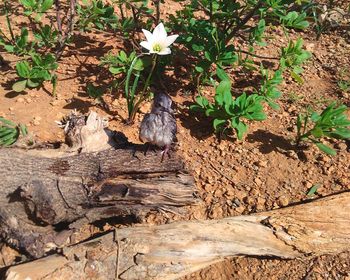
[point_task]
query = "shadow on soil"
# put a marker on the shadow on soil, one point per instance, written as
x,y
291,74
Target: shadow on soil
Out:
x,y
197,124
269,142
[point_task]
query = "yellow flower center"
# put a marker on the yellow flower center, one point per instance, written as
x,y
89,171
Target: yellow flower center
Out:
x,y
157,47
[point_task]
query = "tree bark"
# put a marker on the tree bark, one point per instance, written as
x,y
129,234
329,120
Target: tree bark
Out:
x,y
42,189
174,250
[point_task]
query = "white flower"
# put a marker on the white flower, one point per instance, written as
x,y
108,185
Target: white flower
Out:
x,y
159,41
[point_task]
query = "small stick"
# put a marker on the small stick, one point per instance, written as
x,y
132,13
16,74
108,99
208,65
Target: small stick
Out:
x,y
58,17
118,254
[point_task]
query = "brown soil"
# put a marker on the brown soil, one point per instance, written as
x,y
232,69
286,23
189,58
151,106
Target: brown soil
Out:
x,y
260,173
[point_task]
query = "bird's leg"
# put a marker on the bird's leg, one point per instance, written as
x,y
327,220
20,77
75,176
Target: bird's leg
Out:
x,y
133,152
165,152
147,146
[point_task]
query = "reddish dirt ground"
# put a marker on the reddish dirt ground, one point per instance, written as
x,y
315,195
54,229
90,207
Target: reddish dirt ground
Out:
x,y
260,173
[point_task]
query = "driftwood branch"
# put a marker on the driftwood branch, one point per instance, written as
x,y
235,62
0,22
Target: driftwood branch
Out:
x,y
41,189
173,250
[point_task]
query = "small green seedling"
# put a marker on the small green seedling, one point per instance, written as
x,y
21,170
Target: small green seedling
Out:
x,y
313,190
19,45
227,112
46,36
36,6
10,132
96,14
95,92
331,123
292,57
295,20
268,87
344,85
33,73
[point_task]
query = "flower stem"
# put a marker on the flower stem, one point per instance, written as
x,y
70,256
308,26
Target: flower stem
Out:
x,y
9,22
154,62
130,96
144,93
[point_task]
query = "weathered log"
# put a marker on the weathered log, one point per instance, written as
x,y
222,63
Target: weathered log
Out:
x,y
40,189
173,250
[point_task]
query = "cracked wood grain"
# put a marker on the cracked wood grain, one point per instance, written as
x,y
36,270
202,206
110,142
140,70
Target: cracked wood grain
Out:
x,y
43,188
174,250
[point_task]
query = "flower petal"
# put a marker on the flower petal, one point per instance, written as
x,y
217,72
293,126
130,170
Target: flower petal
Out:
x,y
165,51
148,35
147,45
159,33
170,39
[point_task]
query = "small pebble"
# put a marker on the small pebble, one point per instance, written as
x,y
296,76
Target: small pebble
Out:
x,y
258,181
283,201
341,146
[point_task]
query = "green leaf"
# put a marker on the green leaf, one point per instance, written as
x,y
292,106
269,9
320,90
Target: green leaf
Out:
x,y
202,101
40,74
197,48
9,48
241,129
341,133
19,86
7,122
313,190
23,69
223,89
273,105
315,117
218,124
222,74
123,56
28,3
32,84
317,132
23,129
10,138
297,77
116,70
199,69
4,131
258,116
326,149
299,123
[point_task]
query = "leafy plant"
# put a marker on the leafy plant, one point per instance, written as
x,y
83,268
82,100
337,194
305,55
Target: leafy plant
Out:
x,y
46,36
268,87
19,45
95,92
292,57
229,113
344,85
331,123
295,20
96,14
36,6
10,132
138,11
35,72
208,26
121,62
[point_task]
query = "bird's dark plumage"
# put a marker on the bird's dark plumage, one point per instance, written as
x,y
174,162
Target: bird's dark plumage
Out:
x,y
159,126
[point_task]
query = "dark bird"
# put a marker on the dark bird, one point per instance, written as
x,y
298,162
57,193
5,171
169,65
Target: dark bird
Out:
x,y
159,126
